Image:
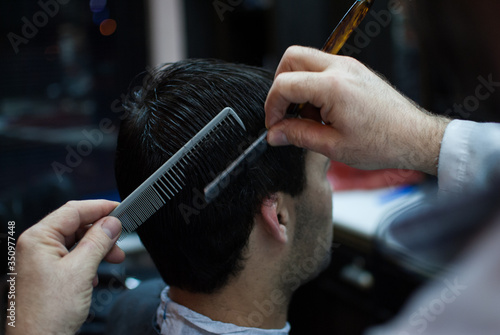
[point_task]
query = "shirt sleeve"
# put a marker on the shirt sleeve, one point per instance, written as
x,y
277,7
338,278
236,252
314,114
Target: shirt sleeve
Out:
x,y
469,156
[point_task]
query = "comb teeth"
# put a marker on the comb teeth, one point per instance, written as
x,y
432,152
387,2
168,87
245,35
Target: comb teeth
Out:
x,y
169,179
145,205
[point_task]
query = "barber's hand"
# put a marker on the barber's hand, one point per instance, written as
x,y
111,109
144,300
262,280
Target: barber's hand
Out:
x,y
366,123
53,285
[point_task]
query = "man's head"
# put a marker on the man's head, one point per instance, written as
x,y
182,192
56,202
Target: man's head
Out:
x,y
195,246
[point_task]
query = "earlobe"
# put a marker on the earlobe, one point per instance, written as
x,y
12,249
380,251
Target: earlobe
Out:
x,y
275,217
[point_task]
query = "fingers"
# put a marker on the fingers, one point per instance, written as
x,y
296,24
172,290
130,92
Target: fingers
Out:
x,y
297,58
75,214
309,75
298,87
306,134
98,243
90,211
115,255
300,78
65,225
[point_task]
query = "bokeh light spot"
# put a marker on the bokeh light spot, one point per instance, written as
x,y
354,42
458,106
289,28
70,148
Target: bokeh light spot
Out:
x,y
107,27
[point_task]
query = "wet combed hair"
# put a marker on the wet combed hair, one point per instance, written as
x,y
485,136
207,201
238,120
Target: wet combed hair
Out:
x,y
202,253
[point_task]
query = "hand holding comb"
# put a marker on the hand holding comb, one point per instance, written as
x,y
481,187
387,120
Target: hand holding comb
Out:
x,y
334,43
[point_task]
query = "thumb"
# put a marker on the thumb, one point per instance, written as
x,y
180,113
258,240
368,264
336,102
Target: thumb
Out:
x,y
305,133
96,243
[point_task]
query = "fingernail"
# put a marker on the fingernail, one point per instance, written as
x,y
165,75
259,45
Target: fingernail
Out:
x,y
277,138
111,226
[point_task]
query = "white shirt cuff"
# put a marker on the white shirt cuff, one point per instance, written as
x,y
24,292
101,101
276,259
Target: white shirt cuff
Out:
x,y
469,156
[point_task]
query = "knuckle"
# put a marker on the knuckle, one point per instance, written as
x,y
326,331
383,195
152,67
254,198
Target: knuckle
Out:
x,y
331,150
292,56
292,51
299,138
24,241
71,204
93,245
295,52
69,212
350,61
279,81
284,85
331,79
28,241
352,65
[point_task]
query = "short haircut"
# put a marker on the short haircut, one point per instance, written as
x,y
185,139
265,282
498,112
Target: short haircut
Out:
x,y
175,102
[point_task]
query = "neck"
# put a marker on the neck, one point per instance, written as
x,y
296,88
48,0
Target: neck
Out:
x,y
239,303
255,298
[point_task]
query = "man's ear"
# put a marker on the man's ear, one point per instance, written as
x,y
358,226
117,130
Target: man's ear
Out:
x,y
276,216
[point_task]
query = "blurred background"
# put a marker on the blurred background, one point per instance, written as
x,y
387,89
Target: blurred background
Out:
x,y
67,65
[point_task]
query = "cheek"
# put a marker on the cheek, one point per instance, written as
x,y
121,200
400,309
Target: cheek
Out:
x,y
326,196
322,202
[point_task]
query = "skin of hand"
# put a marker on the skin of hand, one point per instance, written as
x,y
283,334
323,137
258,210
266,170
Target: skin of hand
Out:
x,y
54,285
360,119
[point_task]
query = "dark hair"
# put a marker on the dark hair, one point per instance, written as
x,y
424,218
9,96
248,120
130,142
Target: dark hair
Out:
x,y
176,101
